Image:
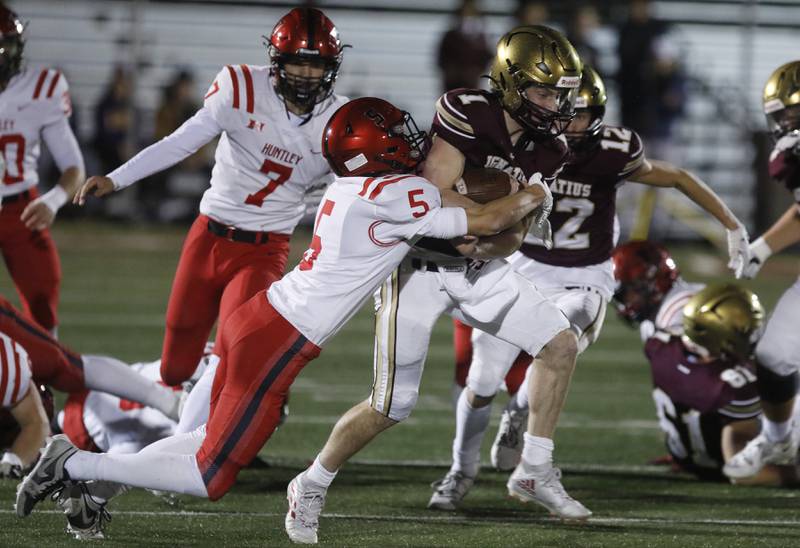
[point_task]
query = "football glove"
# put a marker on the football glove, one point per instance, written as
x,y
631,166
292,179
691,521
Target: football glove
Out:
x,y
540,227
759,253
738,249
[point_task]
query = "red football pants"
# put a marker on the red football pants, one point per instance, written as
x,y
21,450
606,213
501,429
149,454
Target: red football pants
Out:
x,y
52,363
32,261
214,277
462,343
260,355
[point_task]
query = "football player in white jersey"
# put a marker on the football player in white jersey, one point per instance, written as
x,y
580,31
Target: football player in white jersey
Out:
x,y
778,351
270,121
34,107
20,397
368,220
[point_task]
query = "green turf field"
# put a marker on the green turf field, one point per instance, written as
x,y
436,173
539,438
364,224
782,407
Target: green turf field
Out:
x,y
114,293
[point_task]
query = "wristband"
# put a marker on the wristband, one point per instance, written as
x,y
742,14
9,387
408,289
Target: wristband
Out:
x,y
761,250
55,198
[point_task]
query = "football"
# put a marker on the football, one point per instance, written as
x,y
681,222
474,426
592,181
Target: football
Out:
x,y
486,184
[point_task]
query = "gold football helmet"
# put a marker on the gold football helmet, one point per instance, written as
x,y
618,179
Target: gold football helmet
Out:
x,y
723,319
782,99
592,98
536,56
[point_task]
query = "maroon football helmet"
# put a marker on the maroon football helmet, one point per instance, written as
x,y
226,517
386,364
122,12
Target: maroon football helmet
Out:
x,y
369,137
645,272
11,44
305,36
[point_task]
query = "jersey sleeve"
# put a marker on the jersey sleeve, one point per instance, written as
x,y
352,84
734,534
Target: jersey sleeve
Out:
x,y
15,373
413,208
624,150
743,401
63,145
784,162
54,96
232,90
453,120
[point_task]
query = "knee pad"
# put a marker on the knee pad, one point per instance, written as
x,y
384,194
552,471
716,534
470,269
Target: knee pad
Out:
x,y
775,388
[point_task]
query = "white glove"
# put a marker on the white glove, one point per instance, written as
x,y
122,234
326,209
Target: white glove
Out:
x,y
738,249
540,227
10,466
759,253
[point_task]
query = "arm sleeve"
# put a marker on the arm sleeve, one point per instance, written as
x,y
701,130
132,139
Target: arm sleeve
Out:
x,y
413,208
63,145
184,141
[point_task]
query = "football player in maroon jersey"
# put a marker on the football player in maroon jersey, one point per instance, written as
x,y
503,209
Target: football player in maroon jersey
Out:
x,y
34,107
576,272
699,343
778,351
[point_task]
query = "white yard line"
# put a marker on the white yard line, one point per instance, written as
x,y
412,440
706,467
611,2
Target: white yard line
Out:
x,y
446,519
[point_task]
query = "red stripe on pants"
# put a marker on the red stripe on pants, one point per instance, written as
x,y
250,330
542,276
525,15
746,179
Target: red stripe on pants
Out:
x,y
261,354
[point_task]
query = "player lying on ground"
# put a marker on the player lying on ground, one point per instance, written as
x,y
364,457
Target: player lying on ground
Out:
x,y
699,341
778,351
576,275
99,422
270,121
56,366
35,107
366,224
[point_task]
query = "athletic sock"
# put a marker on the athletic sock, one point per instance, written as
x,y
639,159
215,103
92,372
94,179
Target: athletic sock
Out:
x,y
196,407
104,491
537,450
471,424
318,474
114,377
149,470
776,431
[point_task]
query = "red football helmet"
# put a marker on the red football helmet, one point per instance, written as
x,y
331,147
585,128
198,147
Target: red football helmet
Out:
x,y
369,137
11,44
645,272
305,36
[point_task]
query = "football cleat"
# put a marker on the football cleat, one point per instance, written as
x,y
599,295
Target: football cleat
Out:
x,y
47,476
542,484
759,452
86,517
449,491
306,500
507,447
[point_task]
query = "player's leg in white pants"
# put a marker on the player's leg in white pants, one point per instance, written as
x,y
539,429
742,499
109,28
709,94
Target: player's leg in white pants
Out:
x,y
196,408
407,307
778,363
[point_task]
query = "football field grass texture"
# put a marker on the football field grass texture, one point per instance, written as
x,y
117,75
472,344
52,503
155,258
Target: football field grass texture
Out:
x,y
114,293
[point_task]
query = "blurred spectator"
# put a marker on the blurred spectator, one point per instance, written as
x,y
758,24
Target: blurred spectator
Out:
x,y
651,82
464,52
532,13
177,104
114,119
583,25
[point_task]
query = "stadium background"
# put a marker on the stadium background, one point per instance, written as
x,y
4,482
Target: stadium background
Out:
x,y
119,257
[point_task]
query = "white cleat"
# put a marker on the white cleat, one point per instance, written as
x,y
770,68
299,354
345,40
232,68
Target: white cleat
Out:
x,y
47,476
758,453
507,447
306,500
449,491
542,484
86,516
